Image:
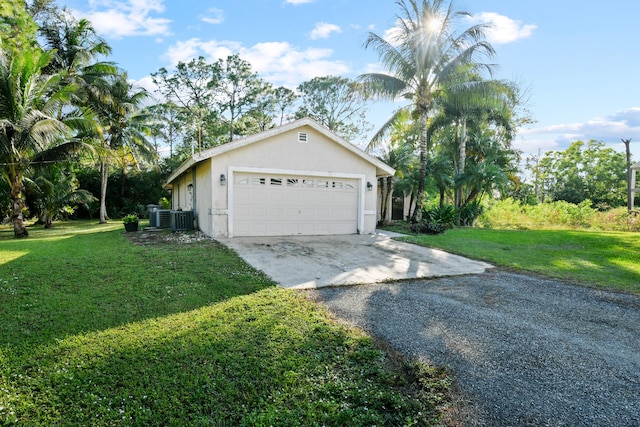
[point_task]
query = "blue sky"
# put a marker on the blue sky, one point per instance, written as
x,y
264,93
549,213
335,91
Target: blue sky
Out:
x,y
580,63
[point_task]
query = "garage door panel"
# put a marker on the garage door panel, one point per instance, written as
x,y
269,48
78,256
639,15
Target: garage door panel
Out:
x,y
272,205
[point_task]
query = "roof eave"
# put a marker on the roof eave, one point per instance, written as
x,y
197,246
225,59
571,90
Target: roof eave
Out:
x,y
382,169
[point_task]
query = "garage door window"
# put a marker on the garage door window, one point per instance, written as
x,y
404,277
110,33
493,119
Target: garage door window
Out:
x,y
292,182
276,181
307,183
259,181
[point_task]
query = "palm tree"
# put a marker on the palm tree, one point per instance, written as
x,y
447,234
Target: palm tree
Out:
x,y
58,193
30,133
125,127
439,168
471,100
77,49
398,153
492,166
398,156
424,53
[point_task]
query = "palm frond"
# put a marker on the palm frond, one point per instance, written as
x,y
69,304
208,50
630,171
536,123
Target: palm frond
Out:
x,y
384,130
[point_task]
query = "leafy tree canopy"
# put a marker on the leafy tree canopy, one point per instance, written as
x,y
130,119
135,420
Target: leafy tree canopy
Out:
x,y
584,171
335,102
17,28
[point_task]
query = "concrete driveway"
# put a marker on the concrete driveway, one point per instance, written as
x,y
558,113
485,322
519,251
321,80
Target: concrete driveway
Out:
x,y
307,262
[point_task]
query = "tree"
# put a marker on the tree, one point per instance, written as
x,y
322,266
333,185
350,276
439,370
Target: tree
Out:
x,y
585,171
261,116
237,90
58,193
492,166
77,50
335,102
118,105
285,99
472,103
17,28
397,153
398,156
439,171
191,88
168,123
425,52
30,133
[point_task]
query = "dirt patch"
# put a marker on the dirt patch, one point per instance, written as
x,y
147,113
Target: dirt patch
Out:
x,y
155,237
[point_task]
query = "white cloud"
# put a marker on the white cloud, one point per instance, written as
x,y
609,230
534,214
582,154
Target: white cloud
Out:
x,y
214,16
503,29
277,62
184,51
119,19
323,30
609,129
298,1
146,83
374,67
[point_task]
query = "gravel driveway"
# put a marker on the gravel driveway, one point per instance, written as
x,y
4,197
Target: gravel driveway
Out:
x,y
524,351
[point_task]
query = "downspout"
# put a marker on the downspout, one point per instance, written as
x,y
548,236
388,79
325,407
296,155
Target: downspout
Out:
x,y
194,197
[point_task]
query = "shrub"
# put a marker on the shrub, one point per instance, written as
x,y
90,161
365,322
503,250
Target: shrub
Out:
x,y
507,213
511,214
617,220
130,218
427,227
468,213
561,213
445,215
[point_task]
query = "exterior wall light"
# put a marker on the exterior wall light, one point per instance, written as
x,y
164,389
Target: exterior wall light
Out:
x,y
223,179
369,186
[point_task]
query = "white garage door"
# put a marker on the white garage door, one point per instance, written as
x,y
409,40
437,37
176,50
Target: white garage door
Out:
x,y
281,205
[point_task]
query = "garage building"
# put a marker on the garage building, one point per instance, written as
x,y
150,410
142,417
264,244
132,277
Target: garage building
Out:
x,y
296,179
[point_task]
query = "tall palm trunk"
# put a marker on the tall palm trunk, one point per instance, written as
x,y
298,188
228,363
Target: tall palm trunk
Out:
x,y
417,213
411,199
386,189
17,203
462,157
104,177
48,220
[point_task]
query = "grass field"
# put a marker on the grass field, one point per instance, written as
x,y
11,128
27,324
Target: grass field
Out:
x,y
607,260
97,331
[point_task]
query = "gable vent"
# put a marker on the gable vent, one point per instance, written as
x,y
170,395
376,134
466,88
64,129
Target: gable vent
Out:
x,y
302,137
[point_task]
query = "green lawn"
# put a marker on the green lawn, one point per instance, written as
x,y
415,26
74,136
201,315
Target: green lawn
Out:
x,y
608,260
97,331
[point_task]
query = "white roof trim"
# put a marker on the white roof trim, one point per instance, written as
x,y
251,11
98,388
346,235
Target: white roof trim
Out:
x,y
382,168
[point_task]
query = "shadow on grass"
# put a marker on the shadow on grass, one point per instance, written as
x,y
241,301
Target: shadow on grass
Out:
x,y
57,284
265,359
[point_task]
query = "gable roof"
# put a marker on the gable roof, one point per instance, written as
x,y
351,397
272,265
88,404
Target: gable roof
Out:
x,y
382,169
636,166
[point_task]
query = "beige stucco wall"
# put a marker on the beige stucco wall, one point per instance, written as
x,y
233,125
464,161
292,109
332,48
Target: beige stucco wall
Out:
x,y
279,153
203,197
199,197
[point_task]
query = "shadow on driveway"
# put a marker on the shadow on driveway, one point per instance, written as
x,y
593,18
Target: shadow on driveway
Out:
x,y
524,351
304,262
